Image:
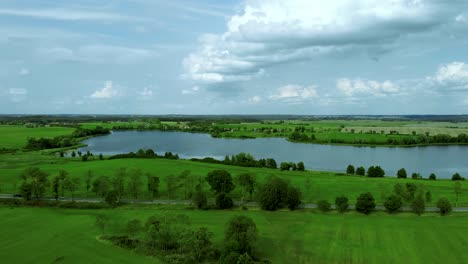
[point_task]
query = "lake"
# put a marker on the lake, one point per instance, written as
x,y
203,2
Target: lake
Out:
x,y
444,161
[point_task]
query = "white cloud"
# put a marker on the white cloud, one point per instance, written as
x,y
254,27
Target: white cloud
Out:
x,y
366,87
269,32
106,92
295,93
24,71
17,94
193,90
147,92
451,76
98,54
461,19
67,14
255,99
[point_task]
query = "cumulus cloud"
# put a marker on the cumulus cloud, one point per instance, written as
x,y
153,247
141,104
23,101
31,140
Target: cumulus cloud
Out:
x,y
269,32
254,99
17,94
366,87
193,90
106,92
452,76
295,93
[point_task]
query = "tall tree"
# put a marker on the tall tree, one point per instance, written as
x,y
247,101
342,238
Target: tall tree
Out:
x,y
88,181
153,185
220,181
36,180
135,183
247,182
118,182
71,184
402,173
56,187
188,183
350,169
457,188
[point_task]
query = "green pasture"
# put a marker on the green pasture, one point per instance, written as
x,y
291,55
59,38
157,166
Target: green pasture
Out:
x,y
48,235
15,137
314,185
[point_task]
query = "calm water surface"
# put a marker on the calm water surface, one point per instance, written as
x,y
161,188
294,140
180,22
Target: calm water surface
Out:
x,y
441,160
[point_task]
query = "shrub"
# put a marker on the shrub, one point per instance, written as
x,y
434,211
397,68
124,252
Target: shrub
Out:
x,y
365,203
294,198
350,169
323,205
432,177
418,206
273,194
416,176
111,198
199,199
220,181
444,205
393,203
341,204
224,201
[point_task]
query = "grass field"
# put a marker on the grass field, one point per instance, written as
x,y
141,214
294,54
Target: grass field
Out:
x,y
15,137
44,235
314,185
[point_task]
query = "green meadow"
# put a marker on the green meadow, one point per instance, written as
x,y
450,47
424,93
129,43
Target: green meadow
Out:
x,y
44,235
15,137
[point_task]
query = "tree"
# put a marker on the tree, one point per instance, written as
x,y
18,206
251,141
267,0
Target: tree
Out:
x,y
285,166
323,205
365,203
432,177
341,204
56,187
240,236
273,194
300,166
199,199
63,174
36,181
71,185
457,177
188,183
428,196
220,181
112,198
224,201
444,206
172,185
84,157
350,169
135,183
73,154
361,171
271,163
418,206
101,186
416,176
118,182
101,157
375,172
88,179
62,154
402,173
153,185
457,188
247,182
293,199
411,189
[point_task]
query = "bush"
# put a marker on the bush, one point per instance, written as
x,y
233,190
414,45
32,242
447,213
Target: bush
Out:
x,y
273,194
416,176
350,169
323,205
457,177
224,201
393,203
444,205
365,203
341,204
432,177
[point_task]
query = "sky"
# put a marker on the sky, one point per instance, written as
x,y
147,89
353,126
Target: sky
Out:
x,y
314,57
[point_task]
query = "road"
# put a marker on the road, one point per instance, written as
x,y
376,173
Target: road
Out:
x,y
188,202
